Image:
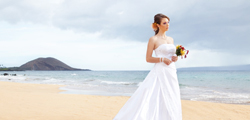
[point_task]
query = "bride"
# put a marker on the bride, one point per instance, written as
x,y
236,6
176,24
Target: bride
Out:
x,y
158,96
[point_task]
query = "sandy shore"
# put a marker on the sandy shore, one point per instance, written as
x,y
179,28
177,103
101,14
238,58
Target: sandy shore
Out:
x,y
25,101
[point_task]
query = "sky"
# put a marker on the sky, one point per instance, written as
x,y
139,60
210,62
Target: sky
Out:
x,y
113,34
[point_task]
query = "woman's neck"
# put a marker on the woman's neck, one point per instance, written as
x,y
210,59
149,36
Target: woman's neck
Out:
x,y
161,34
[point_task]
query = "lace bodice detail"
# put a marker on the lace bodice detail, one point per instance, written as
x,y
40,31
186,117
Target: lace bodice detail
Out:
x,y
165,50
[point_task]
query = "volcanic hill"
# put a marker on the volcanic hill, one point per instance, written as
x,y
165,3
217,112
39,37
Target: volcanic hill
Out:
x,y
48,63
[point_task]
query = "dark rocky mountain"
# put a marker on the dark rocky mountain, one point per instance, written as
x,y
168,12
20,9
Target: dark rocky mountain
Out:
x,y
48,63
235,67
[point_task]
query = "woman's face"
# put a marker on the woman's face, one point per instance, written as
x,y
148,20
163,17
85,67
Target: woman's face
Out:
x,y
164,24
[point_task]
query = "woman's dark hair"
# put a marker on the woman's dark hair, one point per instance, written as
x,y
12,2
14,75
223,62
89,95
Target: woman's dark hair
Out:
x,y
157,20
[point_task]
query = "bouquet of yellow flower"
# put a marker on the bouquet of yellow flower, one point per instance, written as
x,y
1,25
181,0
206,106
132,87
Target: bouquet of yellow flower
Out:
x,y
181,51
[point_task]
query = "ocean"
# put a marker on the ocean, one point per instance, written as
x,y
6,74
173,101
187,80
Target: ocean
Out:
x,y
231,87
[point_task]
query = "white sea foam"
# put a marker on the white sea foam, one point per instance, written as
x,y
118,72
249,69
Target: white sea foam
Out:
x,y
215,89
12,77
90,85
118,83
219,96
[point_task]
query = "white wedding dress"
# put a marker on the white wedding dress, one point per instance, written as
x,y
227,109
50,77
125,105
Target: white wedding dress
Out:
x,y
158,96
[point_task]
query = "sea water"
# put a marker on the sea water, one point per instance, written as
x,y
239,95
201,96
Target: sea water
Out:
x,y
214,86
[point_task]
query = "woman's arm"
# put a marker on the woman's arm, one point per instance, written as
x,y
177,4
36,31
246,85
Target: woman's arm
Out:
x,y
150,49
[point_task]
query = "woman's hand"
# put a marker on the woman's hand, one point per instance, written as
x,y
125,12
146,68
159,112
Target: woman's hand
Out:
x,y
174,58
167,61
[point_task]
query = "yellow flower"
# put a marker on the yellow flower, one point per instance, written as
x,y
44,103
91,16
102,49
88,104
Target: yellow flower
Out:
x,y
182,52
177,46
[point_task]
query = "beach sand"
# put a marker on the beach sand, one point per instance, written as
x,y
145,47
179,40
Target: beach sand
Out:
x,y
25,101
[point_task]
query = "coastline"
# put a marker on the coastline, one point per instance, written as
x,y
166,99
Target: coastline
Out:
x,y
217,87
44,101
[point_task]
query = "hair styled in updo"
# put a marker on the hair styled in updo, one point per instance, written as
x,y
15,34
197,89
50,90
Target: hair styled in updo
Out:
x,y
157,20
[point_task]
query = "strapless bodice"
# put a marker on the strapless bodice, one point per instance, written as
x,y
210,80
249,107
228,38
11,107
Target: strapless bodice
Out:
x,y
158,96
165,50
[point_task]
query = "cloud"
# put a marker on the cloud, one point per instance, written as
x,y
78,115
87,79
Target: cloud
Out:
x,y
120,18
80,50
204,58
220,26
209,23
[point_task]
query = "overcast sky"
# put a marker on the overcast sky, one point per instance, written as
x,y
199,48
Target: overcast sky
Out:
x,y
113,34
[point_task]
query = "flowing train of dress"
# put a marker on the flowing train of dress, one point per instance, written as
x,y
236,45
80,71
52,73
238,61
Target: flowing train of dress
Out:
x,y
158,96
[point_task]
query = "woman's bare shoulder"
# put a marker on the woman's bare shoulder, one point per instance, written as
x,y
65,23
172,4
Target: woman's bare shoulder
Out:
x,y
152,39
171,39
